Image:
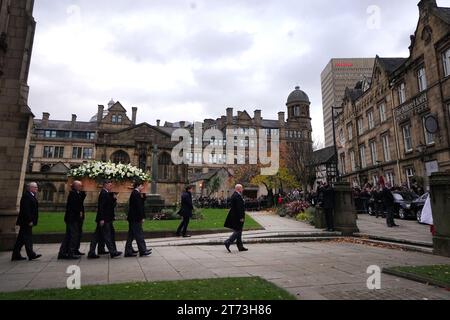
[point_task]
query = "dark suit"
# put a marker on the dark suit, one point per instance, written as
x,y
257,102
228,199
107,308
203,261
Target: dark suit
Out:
x,y
29,213
328,205
105,212
185,212
136,214
389,202
73,218
235,219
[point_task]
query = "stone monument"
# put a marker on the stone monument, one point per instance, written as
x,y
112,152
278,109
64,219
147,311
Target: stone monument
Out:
x,y
345,214
440,206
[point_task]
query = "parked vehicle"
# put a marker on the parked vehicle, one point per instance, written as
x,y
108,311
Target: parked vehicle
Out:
x,y
418,205
403,204
403,207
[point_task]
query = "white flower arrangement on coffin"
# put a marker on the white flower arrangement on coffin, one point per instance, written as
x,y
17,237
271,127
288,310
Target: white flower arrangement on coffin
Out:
x,y
98,171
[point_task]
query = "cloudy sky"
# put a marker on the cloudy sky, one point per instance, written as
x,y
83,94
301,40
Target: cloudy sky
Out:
x,y
191,59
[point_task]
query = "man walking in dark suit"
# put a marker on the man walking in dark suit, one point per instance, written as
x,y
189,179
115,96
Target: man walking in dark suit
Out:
x,y
107,202
136,217
389,202
73,218
328,205
236,219
27,219
185,212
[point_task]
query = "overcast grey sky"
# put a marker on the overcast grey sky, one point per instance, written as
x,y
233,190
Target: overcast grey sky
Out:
x,y
191,59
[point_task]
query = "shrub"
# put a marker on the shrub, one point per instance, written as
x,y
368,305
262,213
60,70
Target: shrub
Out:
x,y
306,216
296,207
282,212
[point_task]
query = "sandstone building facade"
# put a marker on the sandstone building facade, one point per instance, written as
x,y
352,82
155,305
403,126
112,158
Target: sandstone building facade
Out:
x,y
17,27
397,124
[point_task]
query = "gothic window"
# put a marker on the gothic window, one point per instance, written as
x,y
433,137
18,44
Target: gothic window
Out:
x,y
164,163
120,157
48,192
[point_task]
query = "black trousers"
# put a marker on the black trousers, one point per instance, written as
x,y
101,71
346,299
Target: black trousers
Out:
x,y
24,238
390,216
71,240
80,235
329,218
182,229
236,236
105,234
135,232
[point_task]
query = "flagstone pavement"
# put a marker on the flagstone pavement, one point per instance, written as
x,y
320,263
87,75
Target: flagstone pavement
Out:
x,y
309,270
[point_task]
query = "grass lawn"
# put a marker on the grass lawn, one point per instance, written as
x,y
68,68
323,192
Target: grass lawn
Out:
x,y
213,220
438,273
211,289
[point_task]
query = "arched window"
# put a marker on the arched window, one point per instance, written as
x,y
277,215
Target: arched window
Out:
x,y
48,192
164,164
45,168
120,157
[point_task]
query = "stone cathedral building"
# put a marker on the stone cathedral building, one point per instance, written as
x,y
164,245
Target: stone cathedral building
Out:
x,y
17,28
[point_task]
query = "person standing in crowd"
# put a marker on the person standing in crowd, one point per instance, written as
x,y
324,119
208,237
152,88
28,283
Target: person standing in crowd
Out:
x,y
236,219
107,202
389,202
328,205
185,212
73,218
27,219
426,217
136,218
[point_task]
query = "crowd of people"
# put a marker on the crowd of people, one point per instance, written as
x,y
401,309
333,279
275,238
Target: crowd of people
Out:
x,y
104,238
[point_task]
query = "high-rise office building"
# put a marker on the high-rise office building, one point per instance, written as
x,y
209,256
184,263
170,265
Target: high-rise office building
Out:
x,y
338,75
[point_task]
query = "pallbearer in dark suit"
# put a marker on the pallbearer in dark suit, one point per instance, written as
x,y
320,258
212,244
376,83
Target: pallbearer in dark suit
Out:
x,y
185,212
27,219
107,202
74,219
236,219
136,218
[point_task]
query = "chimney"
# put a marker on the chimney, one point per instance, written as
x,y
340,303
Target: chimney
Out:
x,y
100,113
45,118
182,124
427,4
158,123
281,118
257,116
230,116
133,119
74,119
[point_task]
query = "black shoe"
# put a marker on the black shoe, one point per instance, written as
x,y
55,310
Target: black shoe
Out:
x,y
187,236
177,235
242,249
135,252
62,257
116,254
35,257
395,225
130,255
227,245
102,253
146,253
78,253
18,258
93,256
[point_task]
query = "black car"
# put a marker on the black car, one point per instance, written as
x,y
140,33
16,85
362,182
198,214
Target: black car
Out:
x,y
403,207
403,204
418,205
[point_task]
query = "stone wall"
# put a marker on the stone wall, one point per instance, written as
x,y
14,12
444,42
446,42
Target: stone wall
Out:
x,y
16,116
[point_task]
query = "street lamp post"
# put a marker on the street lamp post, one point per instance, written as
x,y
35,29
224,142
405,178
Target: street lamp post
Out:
x,y
333,117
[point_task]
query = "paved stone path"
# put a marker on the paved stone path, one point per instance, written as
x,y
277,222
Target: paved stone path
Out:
x,y
310,270
408,231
